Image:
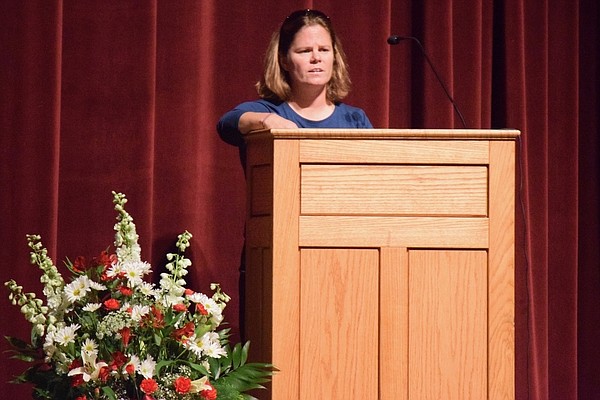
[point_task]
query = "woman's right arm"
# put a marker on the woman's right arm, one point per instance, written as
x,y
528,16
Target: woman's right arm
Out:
x,y
253,121
245,118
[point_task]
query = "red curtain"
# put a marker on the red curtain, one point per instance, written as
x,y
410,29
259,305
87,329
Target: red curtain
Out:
x,y
105,95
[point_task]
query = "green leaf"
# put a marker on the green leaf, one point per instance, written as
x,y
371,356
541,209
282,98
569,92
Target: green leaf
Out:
x,y
109,392
157,339
163,364
18,343
236,356
199,368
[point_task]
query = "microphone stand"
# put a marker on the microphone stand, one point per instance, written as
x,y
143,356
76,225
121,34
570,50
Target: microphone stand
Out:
x,y
395,39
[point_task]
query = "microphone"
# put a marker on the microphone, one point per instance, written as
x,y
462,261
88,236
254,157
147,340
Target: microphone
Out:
x,y
395,39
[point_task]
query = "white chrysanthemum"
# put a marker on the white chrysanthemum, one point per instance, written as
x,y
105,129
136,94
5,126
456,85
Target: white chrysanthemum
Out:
x,y
91,307
114,270
97,286
194,344
66,335
77,289
147,367
212,345
89,347
138,311
147,289
215,311
135,272
214,350
208,344
198,298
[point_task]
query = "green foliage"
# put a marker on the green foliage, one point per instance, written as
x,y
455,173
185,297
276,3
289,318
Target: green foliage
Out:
x,y
234,376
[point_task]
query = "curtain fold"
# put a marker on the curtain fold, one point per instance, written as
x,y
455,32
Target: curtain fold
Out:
x,y
119,95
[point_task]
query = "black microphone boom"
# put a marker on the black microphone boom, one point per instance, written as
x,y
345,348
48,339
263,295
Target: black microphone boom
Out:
x,y
395,39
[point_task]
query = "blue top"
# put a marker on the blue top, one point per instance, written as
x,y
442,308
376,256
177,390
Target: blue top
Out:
x,y
343,116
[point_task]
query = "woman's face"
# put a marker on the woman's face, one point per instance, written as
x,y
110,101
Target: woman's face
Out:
x,y
310,58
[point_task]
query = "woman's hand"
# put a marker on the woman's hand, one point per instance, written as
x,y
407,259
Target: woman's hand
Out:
x,y
254,121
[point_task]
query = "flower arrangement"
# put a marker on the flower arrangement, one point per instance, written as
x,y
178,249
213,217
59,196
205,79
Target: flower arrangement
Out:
x,y
109,334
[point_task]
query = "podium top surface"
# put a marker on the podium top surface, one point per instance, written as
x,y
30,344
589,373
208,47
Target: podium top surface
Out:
x,y
385,134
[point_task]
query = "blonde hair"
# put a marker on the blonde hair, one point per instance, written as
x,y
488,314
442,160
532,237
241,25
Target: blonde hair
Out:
x,y
275,85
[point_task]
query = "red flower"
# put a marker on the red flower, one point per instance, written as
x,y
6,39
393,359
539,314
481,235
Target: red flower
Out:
x,y
125,291
179,307
105,278
112,304
79,265
118,361
105,259
188,292
185,332
77,380
156,320
209,394
130,369
125,336
76,363
82,397
149,386
182,385
104,374
200,308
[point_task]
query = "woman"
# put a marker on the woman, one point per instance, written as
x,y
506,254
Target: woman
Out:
x,y
305,78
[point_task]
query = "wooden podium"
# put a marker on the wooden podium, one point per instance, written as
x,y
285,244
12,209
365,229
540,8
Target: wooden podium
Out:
x,y
380,262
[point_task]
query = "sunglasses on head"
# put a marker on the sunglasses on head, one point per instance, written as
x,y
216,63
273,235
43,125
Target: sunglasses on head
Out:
x,y
306,13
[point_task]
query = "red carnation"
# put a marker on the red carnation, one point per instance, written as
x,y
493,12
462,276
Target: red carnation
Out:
x,y
125,291
209,394
179,307
149,386
182,385
112,304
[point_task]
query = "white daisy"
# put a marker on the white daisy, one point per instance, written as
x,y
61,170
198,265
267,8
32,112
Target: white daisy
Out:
x,y
89,347
135,271
198,298
208,344
97,286
147,367
77,289
147,289
91,307
66,335
138,311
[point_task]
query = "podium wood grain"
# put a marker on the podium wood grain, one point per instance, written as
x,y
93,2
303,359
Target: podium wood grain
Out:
x,y
380,263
